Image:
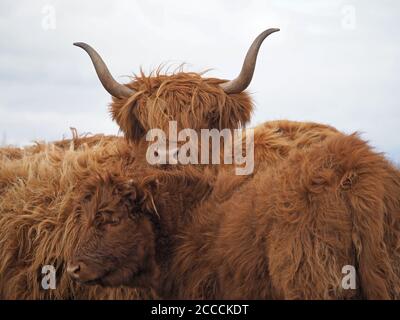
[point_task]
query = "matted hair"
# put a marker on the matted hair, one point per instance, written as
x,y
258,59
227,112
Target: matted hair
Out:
x,y
186,97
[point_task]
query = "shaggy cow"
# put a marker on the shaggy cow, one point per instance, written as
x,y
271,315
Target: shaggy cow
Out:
x,y
38,188
193,101
285,233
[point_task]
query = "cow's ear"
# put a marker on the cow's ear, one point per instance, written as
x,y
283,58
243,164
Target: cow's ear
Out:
x,y
138,198
124,113
124,188
130,194
152,185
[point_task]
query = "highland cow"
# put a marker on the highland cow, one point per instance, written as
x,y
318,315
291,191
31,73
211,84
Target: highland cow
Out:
x,y
37,193
195,102
285,233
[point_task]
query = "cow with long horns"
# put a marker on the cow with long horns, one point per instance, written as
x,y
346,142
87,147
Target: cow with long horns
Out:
x,y
193,101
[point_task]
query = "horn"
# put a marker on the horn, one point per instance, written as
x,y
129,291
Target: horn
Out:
x,y
109,83
246,74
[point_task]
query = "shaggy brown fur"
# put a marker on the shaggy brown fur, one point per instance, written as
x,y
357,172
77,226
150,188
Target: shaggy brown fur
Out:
x,y
194,102
63,168
74,143
37,193
38,186
274,141
285,233
11,170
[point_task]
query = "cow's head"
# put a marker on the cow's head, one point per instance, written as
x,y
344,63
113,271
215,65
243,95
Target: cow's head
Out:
x,y
128,226
117,241
193,101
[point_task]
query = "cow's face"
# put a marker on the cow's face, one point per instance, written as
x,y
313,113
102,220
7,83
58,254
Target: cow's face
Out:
x,y
117,245
189,99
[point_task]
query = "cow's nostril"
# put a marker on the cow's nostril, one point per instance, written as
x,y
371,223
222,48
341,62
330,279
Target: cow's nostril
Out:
x,y
73,270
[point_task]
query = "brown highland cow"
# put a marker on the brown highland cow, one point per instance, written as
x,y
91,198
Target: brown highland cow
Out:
x,y
193,101
37,192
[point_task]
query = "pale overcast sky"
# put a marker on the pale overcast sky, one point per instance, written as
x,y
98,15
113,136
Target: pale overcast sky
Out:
x,y
334,62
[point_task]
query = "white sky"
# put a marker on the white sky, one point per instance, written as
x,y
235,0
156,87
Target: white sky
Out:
x,y
334,61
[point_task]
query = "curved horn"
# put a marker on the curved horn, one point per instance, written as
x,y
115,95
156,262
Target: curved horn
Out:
x,y
246,74
109,83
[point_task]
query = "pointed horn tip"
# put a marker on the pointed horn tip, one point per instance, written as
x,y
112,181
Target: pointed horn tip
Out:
x,y
80,44
272,30
114,88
